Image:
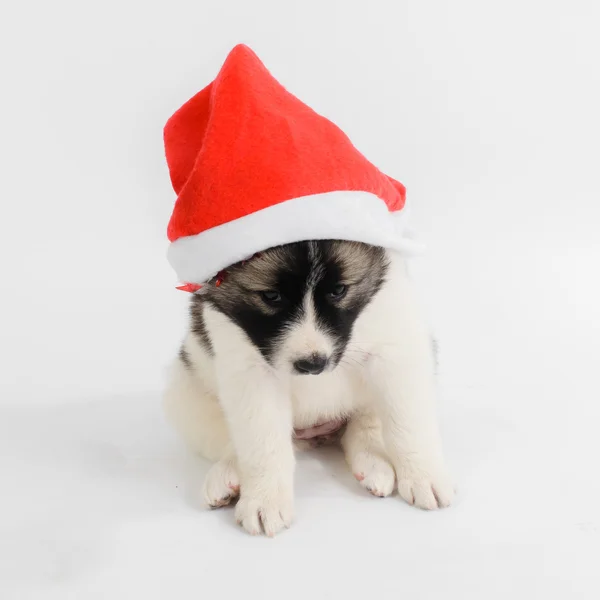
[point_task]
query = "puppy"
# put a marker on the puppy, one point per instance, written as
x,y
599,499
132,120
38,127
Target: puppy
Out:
x,y
310,340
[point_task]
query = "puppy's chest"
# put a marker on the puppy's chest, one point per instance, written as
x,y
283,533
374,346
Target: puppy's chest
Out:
x,y
321,398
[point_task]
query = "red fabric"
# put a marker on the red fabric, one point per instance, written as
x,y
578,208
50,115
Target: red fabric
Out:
x,y
189,287
244,143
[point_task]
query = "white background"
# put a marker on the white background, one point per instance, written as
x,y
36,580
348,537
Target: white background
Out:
x,y
487,111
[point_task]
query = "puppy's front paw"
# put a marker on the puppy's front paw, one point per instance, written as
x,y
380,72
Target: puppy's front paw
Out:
x,y
374,473
268,513
222,484
425,486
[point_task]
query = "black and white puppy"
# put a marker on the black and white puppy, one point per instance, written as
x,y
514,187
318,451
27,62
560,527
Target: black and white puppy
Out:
x,y
299,342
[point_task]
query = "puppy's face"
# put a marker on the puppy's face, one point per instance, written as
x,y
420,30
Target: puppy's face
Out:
x,y
297,303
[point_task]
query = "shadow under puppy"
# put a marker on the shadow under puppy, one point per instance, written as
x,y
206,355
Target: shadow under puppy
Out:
x,y
319,335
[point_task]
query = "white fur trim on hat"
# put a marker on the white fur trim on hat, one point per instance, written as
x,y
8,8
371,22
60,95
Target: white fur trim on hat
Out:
x,y
343,215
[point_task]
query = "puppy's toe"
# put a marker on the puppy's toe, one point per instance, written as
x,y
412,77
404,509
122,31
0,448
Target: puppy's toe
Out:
x,y
222,484
427,488
269,514
374,473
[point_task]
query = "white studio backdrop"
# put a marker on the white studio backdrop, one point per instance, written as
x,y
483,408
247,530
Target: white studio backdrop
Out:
x,y
488,112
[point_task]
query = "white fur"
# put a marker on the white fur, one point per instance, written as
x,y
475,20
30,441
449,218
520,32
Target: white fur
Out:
x,y
303,339
238,411
344,215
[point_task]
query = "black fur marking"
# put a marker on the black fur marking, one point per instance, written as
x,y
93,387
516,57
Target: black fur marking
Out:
x,y
295,270
264,326
185,358
198,326
340,265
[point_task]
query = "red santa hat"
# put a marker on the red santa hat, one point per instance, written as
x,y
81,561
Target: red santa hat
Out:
x,y
254,167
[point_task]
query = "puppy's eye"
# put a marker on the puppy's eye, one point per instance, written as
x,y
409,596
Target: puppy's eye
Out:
x,y
338,291
271,298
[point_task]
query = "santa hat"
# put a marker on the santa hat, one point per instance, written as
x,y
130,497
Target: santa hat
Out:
x,y
254,167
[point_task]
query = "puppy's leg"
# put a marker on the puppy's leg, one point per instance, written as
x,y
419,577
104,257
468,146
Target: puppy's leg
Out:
x,y
222,483
401,373
404,383
258,410
363,446
257,406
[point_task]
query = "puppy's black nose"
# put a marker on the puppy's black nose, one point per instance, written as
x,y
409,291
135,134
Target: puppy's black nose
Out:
x,y
311,365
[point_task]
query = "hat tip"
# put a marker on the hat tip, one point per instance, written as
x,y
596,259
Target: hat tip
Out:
x,y
242,49
241,56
